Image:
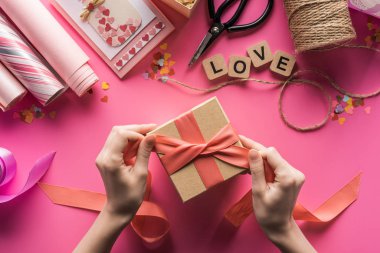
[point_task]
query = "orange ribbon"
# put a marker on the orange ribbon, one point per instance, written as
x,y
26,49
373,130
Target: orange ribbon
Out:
x,y
150,222
326,212
177,153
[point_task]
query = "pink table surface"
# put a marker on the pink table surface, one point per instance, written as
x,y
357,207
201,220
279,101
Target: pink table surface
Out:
x,y
329,157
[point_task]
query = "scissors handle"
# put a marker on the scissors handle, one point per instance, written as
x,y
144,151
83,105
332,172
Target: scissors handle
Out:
x,y
216,16
257,22
229,25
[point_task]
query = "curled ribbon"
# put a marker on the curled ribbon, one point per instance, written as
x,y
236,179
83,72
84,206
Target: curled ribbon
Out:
x,y
89,8
326,212
150,222
8,168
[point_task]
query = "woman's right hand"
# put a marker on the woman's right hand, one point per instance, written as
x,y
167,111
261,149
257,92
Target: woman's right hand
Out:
x,y
273,202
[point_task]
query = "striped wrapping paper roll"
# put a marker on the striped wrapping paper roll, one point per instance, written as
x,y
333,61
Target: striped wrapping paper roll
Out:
x,y
26,66
49,38
11,91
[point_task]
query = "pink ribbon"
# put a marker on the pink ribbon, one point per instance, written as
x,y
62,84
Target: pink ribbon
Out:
x,y
8,168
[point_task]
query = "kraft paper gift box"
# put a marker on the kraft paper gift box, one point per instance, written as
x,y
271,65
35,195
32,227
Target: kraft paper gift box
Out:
x,y
210,119
185,7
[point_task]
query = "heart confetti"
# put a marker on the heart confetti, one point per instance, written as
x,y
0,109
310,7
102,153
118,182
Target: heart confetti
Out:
x,y
105,86
104,99
164,46
346,106
30,114
161,66
373,38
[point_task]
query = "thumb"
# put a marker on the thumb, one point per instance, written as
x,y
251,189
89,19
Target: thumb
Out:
x,y
256,165
143,153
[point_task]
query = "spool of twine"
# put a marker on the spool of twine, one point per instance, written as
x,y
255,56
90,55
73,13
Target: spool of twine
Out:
x,y
319,24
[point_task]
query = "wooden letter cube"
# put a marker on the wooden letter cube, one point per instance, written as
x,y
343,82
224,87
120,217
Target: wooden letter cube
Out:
x,y
215,67
239,66
283,63
260,54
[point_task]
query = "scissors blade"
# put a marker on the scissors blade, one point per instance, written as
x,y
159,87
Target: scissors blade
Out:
x,y
202,47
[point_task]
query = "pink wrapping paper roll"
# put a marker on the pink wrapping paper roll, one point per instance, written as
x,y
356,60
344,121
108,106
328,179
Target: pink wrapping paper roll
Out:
x,y
52,41
11,91
26,66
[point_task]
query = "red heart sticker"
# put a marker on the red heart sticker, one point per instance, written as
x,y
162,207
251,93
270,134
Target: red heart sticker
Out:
x,y
145,37
121,39
132,51
132,28
106,12
90,7
119,63
109,41
108,27
159,25
102,21
123,27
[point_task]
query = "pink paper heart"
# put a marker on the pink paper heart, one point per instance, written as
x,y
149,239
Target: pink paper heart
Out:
x,y
126,57
137,22
101,29
127,34
111,20
130,21
101,8
98,14
139,45
152,32
113,33
106,35
119,32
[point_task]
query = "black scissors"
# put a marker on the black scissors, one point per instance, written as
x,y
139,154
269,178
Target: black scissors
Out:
x,y
218,27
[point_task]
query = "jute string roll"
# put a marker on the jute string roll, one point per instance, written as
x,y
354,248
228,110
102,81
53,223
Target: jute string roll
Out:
x,y
317,24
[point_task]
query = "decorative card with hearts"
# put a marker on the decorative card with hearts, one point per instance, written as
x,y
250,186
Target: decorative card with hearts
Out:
x,y
122,32
115,21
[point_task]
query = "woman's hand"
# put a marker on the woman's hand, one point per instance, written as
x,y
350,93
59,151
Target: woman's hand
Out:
x,y
125,182
124,179
273,202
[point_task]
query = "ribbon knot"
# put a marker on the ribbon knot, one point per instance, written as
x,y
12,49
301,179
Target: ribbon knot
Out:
x,y
177,153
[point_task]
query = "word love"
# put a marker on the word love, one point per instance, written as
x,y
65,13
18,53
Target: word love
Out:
x,y
260,55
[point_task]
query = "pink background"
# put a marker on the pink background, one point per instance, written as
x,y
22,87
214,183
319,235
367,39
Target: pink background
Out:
x,y
329,157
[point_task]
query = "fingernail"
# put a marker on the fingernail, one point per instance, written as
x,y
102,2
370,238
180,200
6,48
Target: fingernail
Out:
x,y
151,140
253,154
